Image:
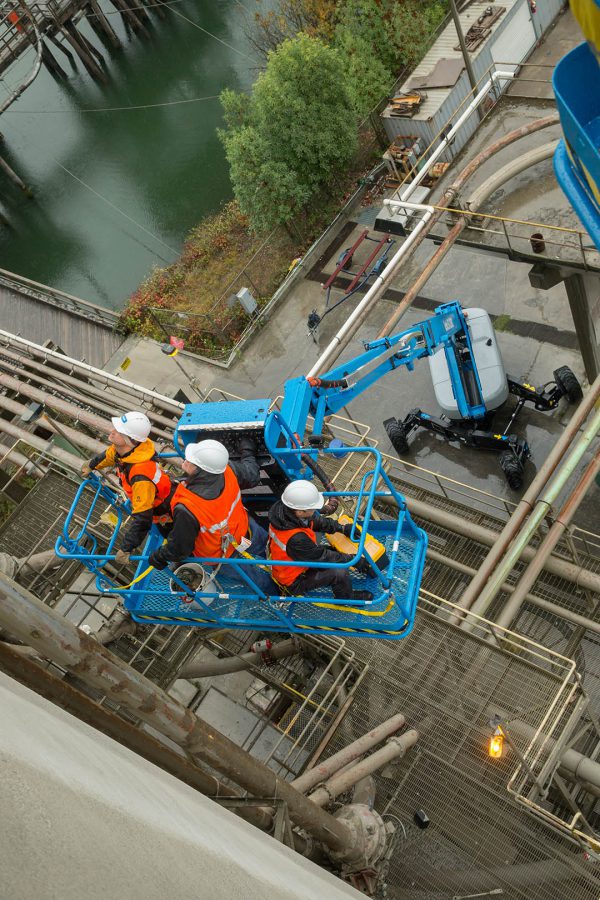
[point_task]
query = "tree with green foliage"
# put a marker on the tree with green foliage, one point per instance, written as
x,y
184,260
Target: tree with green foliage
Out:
x,y
290,18
286,142
367,77
392,34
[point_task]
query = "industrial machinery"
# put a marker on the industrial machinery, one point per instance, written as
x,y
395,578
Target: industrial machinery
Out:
x,y
474,369
289,443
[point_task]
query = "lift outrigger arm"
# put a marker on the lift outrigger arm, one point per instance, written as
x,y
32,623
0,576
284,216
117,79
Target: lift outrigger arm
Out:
x,y
322,397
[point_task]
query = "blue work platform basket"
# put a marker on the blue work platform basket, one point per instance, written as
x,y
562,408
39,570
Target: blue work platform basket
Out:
x,y
576,82
229,598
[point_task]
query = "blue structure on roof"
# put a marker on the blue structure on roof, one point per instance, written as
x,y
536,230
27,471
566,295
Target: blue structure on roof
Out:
x,y
576,81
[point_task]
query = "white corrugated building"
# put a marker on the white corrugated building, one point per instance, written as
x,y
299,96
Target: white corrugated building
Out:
x,y
513,37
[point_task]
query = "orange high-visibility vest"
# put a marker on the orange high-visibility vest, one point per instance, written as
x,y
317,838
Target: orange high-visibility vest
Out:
x,y
220,520
152,471
278,539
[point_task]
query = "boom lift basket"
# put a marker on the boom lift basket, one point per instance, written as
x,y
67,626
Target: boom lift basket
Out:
x,y
577,157
228,598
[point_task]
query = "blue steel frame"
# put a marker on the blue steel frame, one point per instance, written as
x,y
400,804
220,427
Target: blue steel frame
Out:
x,y
577,157
391,613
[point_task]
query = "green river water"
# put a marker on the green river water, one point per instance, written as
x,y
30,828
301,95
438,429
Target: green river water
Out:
x,y
149,174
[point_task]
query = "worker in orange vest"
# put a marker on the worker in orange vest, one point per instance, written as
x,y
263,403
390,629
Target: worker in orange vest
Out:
x,y
209,518
294,523
149,488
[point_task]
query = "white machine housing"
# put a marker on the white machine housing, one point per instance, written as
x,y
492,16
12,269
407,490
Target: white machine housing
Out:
x,y
488,359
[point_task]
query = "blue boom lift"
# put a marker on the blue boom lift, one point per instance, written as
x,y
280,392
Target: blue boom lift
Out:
x,y
225,596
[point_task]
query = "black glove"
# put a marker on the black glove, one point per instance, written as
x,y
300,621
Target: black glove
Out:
x,y
363,568
247,446
347,530
157,560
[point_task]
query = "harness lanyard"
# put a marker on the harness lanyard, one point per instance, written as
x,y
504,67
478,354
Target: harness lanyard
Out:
x,y
135,580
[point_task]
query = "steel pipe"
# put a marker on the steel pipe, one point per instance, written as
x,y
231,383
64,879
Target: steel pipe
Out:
x,y
569,571
395,748
14,663
86,391
77,437
324,770
197,668
12,456
538,514
25,617
67,362
526,503
574,765
447,199
100,423
63,456
530,158
567,614
531,573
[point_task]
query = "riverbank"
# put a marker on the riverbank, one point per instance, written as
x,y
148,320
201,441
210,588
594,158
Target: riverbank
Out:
x,y
194,298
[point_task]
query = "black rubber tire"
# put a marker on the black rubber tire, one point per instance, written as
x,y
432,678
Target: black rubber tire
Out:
x,y
567,381
397,435
513,470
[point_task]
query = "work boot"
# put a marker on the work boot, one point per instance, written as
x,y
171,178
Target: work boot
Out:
x,y
362,595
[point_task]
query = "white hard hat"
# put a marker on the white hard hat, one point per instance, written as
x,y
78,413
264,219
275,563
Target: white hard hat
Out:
x,y
209,455
302,494
134,425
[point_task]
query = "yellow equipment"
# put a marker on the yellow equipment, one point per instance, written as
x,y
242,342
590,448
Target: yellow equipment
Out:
x,y
340,542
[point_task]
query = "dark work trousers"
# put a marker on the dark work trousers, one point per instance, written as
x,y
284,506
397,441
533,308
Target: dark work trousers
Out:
x,y
337,579
260,577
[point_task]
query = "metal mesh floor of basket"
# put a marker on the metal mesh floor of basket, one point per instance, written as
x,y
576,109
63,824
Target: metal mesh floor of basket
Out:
x,y
228,603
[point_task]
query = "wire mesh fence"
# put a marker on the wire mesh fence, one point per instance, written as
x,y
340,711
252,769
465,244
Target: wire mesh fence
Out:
x,y
449,685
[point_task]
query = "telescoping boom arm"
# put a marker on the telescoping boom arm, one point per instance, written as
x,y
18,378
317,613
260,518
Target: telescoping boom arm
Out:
x,y
324,396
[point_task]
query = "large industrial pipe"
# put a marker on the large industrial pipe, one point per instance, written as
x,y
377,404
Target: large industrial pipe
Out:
x,y
63,456
560,611
447,199
83,707
106,401
100,423
78,438
68,363
573,764
569,571
395,748
25,617
531,573
526,503
324,770
513,168
537,516
197,668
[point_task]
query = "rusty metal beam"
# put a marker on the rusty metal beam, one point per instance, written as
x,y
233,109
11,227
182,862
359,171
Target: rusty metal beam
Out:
x,y
40,627
58,691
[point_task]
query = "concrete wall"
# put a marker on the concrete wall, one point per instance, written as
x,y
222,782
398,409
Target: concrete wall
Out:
x,y
86,819
547,11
